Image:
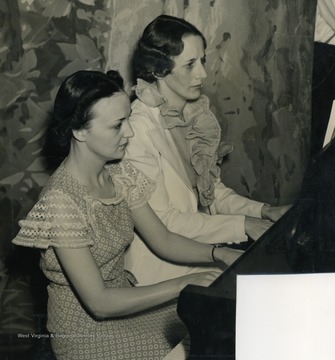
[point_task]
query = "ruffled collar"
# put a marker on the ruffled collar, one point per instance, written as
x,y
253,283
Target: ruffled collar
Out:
x,y
149,95
204,133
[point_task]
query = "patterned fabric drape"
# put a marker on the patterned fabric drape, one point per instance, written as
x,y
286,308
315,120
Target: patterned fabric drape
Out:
x,y
259,66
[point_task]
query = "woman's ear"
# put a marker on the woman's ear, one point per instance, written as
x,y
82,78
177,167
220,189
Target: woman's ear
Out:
x,y
80,135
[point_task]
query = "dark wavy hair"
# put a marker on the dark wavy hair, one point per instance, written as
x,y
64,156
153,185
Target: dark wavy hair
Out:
x,y
161,40
73,108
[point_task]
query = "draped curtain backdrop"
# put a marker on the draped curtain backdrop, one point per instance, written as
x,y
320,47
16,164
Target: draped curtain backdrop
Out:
x,y
259,79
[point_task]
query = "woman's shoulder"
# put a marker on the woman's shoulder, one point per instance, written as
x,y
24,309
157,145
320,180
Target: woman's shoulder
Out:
x,y
138,106
53,218
60,197
143,119
136,186
123,168
54,204
140,109
55,180
62,182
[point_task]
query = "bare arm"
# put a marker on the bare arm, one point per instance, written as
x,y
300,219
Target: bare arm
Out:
x,y
104,302
172,246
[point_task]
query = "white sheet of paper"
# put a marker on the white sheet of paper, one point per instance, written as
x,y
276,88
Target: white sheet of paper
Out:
x,y
285,317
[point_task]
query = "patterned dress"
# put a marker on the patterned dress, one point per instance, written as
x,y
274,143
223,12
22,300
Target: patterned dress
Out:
x,y
67,216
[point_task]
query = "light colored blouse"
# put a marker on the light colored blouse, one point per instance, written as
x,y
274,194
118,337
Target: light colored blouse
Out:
x,y
197,136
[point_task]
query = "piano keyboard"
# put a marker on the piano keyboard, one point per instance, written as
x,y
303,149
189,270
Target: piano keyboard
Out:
x,y
181,351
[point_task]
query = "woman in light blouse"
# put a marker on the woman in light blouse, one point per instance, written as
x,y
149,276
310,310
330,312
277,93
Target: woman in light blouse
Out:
x,y
177,143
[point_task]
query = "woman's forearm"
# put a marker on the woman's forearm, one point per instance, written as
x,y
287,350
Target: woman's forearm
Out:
x,y
104,302
174,247
116,302
169,245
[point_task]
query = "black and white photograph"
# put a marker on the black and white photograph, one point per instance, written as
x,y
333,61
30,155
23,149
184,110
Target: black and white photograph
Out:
x,y
167,179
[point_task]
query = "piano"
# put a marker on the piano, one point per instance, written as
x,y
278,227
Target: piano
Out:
x,y
302,241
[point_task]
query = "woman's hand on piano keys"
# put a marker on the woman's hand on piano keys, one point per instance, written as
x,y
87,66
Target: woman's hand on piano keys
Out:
x,y
226,255
201,279
273,213
255,227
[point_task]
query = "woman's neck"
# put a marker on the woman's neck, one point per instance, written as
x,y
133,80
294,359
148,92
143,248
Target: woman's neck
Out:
x,y
89,171
173,100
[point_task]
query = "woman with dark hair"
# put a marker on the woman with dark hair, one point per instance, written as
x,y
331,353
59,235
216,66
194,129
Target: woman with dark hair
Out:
x,y
161,40
82,224
177,143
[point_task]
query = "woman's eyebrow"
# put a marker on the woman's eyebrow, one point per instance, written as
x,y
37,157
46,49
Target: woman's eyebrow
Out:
x,y
195,59
190,60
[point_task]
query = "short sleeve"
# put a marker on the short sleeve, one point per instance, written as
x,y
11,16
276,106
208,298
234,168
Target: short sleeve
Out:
x,y
56,221
136,186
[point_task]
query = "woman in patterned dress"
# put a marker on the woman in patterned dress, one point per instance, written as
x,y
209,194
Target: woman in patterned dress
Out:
x,y
84,221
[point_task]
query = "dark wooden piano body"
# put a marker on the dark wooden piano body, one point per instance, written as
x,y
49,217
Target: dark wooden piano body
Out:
x,y
302,241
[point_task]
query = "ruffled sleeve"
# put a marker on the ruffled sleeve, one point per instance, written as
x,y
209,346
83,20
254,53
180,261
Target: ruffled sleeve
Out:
x,y
55,220
136,186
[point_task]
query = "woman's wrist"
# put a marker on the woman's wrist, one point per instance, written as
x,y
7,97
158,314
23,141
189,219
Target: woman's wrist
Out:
x,y
265,211
214,258
226,255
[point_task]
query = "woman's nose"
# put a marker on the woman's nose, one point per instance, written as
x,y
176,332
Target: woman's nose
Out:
x,y
128,130
202,73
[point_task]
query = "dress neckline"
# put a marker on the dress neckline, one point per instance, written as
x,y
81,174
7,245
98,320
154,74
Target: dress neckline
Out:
x,y
113,200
